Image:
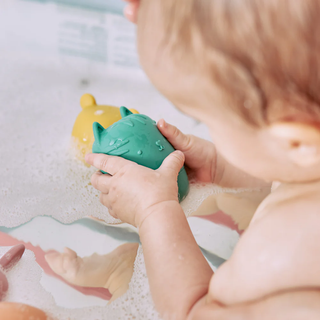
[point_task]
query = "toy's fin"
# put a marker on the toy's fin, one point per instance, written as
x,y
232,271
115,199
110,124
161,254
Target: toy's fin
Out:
x,y
97,130
125,112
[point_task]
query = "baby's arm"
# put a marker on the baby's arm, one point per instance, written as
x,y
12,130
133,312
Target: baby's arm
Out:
x,y
148,199
177,271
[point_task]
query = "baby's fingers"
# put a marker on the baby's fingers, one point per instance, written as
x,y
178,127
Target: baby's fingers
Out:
x,y
106,163
173,163
179,140
101,182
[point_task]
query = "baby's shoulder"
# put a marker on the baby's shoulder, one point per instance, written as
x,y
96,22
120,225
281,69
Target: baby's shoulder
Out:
x,y
291,201
291,216
279,251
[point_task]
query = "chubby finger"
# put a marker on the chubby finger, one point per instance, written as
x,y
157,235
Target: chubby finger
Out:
x,y
110,164
173,162
101,181
179,140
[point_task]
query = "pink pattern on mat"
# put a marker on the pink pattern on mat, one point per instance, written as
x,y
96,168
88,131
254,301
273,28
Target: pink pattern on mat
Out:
x,y
223,219
7,240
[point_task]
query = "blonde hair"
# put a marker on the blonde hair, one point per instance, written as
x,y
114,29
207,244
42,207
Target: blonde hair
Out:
x,y
272,44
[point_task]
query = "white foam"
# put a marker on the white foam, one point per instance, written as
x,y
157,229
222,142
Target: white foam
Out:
x,y
24,283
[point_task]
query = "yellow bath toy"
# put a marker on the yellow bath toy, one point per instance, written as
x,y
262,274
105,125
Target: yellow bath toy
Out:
x,y
91,112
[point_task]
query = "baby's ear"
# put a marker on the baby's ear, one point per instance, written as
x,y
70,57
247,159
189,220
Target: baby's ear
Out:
x,y
125,112
97,130
301,140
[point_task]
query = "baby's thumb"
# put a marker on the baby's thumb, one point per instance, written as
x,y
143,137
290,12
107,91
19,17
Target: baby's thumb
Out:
x,y
173,162
178,139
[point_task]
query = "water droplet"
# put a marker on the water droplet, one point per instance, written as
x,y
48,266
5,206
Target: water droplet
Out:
x,y
140,152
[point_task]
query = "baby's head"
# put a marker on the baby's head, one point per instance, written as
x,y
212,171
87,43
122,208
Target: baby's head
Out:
x,y
248,69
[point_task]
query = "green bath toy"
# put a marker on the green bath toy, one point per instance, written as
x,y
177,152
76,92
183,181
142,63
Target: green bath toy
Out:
x,y
136,138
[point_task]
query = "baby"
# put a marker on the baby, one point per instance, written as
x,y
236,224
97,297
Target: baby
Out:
x,y
250,70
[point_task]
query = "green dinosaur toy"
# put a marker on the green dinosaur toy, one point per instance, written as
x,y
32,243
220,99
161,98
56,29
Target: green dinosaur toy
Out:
x,y
136,138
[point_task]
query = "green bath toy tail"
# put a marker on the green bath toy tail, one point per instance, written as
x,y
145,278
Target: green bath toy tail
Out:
x,y
136,138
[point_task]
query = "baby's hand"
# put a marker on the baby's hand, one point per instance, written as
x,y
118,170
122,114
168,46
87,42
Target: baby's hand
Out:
x,y
200,154
131,192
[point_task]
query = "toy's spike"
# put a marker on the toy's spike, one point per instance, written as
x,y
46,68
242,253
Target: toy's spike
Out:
x,y
97,130
87,100
125,112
